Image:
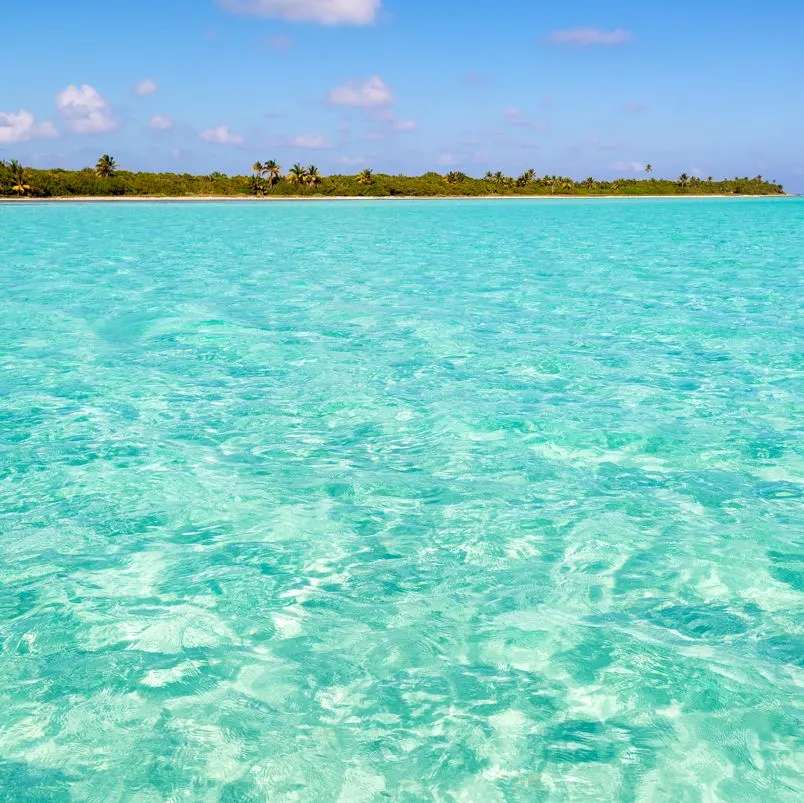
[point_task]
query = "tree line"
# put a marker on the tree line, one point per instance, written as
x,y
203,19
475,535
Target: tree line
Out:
x,y
268,179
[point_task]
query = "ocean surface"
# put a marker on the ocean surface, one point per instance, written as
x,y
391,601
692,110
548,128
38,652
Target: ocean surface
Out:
x,y
402,501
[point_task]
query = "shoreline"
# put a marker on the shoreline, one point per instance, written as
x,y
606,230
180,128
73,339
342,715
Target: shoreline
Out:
x,y
285,198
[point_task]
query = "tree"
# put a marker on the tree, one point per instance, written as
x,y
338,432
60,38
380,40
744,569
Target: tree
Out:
x,y
313,177
683,179
18,178
274,172
297,174
365,176
106,166
258,168
489,176
648,168
455,177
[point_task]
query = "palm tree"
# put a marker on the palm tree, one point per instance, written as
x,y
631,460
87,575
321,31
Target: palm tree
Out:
x,y
365,176
648,168
257,185
272,169
257,168
683,179
18,178
455,177
106,166
313,178
489,176
297,174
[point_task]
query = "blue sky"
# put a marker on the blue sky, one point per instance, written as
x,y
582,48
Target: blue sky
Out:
x,y
580,87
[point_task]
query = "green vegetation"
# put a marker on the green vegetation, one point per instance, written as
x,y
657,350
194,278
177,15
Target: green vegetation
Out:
x,y
15,178
106,166
267,179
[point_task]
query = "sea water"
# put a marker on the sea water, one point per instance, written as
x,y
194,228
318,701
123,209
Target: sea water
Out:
x,y
402,501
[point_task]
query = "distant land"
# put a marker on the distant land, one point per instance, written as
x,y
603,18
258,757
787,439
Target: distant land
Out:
x,y
267,179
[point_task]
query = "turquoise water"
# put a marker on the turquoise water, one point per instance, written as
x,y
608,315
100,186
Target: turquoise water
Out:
x,y
411,501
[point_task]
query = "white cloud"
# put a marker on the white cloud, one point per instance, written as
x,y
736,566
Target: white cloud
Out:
x,y
326,12
146,87
85,110
22,126
160,123
373,136
630,167
584,37
223,135
351,160
314,142
403,125
448,159
368,94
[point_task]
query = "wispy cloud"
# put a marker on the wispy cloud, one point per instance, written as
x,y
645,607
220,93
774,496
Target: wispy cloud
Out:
x,y
160,123
404,126
393,122
630,167
586,37
516,117
222,135
316,142
22,126
352,160
325,12
448,159
85,110
368,94
146,87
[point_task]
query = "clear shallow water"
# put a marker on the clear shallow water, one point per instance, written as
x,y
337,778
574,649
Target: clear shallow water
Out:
x,y
449,501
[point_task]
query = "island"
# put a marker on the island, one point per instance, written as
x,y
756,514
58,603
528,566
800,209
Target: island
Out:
x,y
268,180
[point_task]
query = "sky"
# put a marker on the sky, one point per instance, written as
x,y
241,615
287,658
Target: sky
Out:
x,y
578,88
